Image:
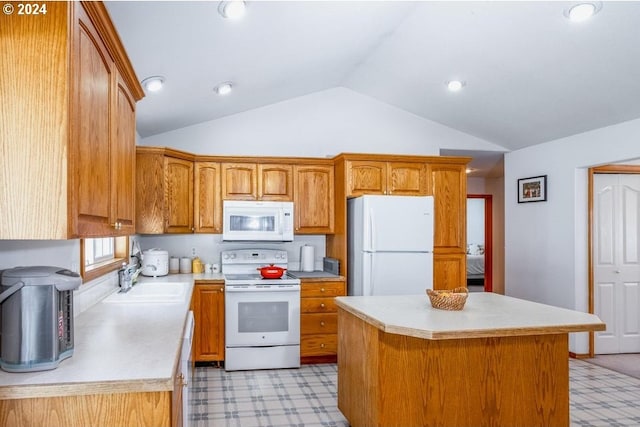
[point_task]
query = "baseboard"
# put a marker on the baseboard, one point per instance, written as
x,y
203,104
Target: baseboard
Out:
x,y
579,355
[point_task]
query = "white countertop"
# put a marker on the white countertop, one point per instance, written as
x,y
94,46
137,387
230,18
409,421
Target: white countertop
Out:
x,y
117,347
485,314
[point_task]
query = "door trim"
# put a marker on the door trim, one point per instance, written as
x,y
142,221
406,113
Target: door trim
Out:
x,y
605,169
488,238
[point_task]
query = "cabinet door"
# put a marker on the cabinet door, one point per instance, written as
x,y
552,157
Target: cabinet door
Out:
x,y
178,195
123,161
208,312
449,271
406,179
366,177
92,110
239,181
206,203
275,182
450,205
313,198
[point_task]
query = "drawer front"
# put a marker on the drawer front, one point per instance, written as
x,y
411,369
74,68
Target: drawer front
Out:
x,y
323,289
318,345
318,305
318,324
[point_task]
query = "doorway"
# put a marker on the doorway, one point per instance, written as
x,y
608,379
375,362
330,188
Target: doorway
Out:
x,y
480,242
614,290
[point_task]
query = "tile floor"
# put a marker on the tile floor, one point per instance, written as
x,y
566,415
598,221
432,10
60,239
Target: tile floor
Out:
x,y
307,397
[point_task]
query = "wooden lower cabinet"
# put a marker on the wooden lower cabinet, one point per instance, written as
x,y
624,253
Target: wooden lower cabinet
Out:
x,y
152,409
319,319
208,312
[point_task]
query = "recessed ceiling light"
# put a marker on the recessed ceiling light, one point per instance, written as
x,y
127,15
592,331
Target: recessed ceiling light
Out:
x,y
232,9
224,88
153,84
582,11
455,85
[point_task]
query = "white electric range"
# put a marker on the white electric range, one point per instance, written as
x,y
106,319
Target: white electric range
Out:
x,y
262,316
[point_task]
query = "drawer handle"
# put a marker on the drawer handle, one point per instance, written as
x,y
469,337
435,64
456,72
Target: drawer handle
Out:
x,y
321,305
322,323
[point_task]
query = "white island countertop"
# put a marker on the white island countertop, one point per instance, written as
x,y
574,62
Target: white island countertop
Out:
x,y
485,314
117,348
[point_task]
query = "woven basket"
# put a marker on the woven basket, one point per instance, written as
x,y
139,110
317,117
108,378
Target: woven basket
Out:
x,y
451,299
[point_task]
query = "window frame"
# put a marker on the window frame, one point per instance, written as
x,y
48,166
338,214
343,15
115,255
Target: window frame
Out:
x,y
93,271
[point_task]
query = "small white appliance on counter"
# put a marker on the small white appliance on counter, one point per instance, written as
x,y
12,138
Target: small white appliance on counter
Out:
x,y
155,262
257,221
262,316
390,244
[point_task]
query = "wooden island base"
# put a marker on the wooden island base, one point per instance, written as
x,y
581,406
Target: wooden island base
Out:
x,y
396,380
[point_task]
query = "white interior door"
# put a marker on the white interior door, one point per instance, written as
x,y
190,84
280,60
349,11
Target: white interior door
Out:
x,y
616,262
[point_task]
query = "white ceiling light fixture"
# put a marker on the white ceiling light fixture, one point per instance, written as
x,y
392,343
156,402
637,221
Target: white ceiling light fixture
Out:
x,y
580,12
232,9
224,88
455,85
153,84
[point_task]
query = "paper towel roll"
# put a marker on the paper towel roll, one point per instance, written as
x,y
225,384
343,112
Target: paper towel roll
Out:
x,y
307,257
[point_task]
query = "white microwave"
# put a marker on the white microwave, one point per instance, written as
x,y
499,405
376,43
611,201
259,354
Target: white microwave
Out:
x,y
257,221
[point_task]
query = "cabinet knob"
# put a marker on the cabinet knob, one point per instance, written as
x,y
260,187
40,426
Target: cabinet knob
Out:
x,y
321,289
222,289
321,305
321,323
322,345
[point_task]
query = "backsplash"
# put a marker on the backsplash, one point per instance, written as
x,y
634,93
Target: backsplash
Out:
x,y
209,246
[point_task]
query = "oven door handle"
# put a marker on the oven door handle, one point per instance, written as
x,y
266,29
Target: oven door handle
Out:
x,y
280,288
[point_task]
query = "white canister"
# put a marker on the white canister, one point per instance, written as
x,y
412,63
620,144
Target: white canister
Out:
x,y
215,268
174,265
307,258
208,268
185,265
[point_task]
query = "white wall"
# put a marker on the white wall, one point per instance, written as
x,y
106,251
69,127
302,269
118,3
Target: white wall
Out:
x,y
546,242
475,221
495,187
318,125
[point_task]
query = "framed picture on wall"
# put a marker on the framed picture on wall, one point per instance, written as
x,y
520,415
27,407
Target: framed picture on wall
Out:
x,y
532,189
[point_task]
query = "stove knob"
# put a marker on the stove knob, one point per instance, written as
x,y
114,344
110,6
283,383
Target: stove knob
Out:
x,y
225,256
233,255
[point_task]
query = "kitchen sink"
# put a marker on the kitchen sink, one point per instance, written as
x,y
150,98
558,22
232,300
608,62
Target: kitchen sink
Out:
x,y
150,293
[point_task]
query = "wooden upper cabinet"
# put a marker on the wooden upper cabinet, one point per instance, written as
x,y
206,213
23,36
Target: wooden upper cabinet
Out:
x,y
366,177
239,181
207,205
164,192
275,182
124,161
391,178
450,204
314,199
406,179
92,102
178,195
251,181
75,123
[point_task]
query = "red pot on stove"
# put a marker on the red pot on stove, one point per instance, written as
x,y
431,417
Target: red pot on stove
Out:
x,y
271,271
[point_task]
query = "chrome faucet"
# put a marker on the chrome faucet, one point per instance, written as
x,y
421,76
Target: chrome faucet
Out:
x,y
128,276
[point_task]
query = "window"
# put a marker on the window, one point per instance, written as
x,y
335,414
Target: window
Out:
x,y
98,250
101,255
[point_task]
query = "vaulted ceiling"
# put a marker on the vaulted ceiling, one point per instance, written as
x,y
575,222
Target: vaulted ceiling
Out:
x,y
531,75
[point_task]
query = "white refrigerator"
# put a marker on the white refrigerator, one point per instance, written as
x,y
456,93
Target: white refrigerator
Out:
x,y
390,245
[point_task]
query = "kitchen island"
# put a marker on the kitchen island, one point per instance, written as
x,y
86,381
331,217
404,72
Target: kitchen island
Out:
x,y
501,361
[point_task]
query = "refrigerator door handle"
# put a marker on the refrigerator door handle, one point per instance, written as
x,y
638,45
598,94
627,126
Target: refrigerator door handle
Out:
x,y
372,281
372,235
